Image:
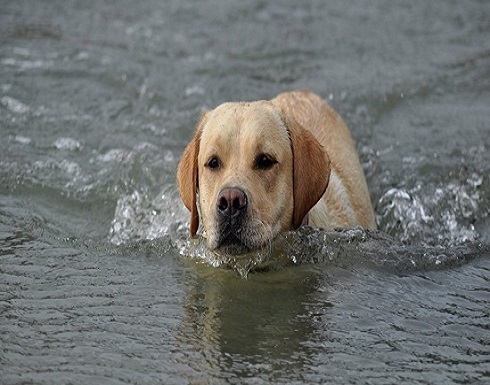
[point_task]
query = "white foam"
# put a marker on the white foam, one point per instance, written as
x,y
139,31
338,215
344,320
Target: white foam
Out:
x,y
23,139
432,215
67,144
14,105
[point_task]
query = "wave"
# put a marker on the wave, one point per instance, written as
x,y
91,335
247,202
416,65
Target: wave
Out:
x,y
420,243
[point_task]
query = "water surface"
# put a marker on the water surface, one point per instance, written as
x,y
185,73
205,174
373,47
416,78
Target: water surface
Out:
x,y
98,280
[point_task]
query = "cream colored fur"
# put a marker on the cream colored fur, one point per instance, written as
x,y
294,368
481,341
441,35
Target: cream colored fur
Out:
x,y
316,172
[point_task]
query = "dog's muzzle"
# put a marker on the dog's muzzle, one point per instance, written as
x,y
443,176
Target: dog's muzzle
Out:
x,y
232,209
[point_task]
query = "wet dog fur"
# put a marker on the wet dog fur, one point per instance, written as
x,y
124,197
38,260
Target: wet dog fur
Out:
x,y
255,169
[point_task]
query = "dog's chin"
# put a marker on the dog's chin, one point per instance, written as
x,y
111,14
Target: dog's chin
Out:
x,y
232,245
239,240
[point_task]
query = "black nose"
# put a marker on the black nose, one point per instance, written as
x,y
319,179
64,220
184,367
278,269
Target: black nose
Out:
x,y
231,201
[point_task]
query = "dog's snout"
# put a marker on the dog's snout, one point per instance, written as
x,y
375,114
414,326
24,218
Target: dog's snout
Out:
x,y
231,201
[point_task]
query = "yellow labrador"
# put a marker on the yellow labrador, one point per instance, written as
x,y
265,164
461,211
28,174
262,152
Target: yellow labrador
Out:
x,y
255,169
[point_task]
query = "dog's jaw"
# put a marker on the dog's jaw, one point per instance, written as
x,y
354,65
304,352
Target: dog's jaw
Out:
x,y
246,236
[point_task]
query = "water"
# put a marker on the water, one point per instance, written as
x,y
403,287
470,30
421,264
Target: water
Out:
x,y
98,281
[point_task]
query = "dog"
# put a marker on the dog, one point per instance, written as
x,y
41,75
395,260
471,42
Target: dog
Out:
x,y
255,169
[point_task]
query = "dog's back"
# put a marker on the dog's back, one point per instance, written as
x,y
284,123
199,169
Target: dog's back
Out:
x,y
346,201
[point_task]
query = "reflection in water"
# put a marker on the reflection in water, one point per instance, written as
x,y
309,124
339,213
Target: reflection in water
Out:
x,y
246,327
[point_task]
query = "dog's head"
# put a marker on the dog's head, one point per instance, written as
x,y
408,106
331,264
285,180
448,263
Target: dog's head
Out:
x,y
253,172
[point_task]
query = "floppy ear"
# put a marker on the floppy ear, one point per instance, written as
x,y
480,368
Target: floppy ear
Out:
x,y
311,170
187,178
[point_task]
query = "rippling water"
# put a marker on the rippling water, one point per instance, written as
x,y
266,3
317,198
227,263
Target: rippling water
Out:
x,y
98,280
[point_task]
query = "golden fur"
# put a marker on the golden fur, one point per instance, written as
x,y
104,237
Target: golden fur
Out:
x,y
279,156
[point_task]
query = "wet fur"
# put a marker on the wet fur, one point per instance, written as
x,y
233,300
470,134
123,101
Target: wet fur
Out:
x,y
313,148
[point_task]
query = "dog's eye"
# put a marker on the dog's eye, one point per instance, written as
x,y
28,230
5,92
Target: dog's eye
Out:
x,y
213,163
264,162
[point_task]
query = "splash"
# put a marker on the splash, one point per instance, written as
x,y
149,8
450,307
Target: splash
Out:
x,y
432,215
343,248
422,229
136,217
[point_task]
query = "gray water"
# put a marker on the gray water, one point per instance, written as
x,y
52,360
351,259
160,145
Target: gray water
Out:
x,y
98,280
